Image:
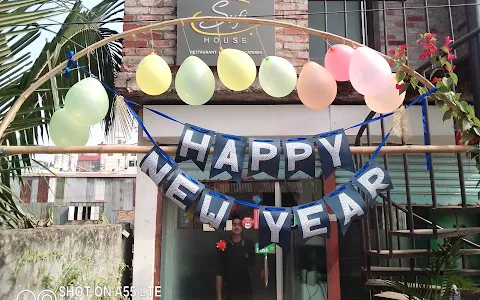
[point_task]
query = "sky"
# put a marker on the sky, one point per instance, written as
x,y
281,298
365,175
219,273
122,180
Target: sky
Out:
x,y
96,132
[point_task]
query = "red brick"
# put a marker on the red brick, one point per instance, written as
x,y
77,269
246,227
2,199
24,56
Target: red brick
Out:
x,y
147,35
278,45
136,10
278,30
286,6
134,44
389,12
286,53
289,31
170,36
303,7
415,18
390,37
161,10
149,3
128,18
164,43
130,26
170,51
396,43
143,51
295,46
128,51
150,17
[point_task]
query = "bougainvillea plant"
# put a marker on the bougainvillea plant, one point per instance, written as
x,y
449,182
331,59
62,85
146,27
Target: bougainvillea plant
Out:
x,y
441,57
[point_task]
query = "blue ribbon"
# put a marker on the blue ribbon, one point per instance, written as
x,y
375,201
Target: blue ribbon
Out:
x,y
426,139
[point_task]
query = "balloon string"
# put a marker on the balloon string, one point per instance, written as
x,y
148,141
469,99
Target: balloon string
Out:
x,y
151,42
186,40
218,32
261,43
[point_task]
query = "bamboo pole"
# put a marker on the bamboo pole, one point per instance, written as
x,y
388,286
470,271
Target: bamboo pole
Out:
x,y
13,150
329,36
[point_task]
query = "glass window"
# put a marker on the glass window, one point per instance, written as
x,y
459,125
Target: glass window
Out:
x,y
336,21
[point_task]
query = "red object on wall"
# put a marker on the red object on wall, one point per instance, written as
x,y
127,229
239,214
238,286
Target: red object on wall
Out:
x,y
255,219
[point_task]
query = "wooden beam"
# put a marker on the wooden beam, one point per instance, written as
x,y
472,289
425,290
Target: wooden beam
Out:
x,y
420,149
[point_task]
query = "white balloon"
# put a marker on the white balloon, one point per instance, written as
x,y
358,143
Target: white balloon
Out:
x,y
277,76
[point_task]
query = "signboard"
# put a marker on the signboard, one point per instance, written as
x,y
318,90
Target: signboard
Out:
x,y
205,38
270,249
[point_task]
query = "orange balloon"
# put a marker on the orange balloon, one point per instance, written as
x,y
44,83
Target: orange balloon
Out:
x,y
388,100
316,87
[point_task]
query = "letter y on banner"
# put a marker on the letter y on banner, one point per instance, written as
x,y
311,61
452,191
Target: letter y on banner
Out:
x,y
214,208
275,225
373,180
194,145
334,152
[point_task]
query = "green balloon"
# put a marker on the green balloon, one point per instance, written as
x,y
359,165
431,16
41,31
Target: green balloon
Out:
x,y
194,82
87,102
277,76
65,133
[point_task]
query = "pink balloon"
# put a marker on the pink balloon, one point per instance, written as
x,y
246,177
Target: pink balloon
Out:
x,y
337,61
388,100
369,72
316,87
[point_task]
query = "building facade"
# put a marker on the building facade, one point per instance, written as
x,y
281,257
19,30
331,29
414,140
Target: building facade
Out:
x,y
172,250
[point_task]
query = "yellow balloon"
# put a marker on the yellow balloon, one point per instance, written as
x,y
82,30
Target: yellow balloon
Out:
x,y
153,75
236,69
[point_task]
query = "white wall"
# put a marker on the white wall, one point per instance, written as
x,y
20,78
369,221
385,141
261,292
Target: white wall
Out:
x,y
287,121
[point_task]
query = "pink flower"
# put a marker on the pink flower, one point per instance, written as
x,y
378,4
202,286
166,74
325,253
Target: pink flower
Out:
x,y
451,57
399,86
448,41
392,52
436,79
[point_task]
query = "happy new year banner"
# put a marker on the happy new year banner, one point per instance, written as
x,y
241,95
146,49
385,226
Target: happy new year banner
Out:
x,y
264,155
275,223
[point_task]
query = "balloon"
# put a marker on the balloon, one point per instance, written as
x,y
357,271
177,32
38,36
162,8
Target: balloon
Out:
x,y
236,69
65,133
153,75
337,61
194,81
86,103
388,100
316,87
369,72
277,76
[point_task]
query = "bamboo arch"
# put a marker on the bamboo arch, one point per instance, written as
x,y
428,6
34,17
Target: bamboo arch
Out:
x,y
139,149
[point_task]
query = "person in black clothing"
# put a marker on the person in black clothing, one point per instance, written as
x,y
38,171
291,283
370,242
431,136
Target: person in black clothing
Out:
x,y
234,264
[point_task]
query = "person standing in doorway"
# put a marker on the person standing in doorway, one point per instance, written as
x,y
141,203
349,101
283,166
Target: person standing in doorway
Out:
x,y
236,258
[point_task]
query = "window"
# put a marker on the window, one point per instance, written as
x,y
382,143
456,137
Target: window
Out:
x,y
343,24
131,163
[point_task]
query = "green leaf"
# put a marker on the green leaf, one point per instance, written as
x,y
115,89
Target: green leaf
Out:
x,y
443,60
400,75
454,77
447,115
447,81
477,130
457,96
422,90
441,87
433,59
466,125
440,104
404,88
463,105
414,82
444,49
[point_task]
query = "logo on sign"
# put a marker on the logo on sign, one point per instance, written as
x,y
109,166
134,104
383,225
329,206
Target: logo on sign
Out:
x,y
214,30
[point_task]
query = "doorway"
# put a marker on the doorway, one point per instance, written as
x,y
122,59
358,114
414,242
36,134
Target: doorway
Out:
x,y
188,265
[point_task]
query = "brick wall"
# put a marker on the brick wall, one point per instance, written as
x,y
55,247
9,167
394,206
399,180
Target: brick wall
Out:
x,y
290,44
416,23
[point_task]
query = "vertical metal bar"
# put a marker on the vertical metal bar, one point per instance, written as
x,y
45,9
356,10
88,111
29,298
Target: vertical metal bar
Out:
x,y
345,21
461,178
398,238
387,204
279,252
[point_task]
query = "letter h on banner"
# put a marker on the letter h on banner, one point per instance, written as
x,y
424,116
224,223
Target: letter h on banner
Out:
x,y
194,145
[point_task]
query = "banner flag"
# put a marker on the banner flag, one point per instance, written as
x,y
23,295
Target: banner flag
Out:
x,y
194,145
264,156
228,155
